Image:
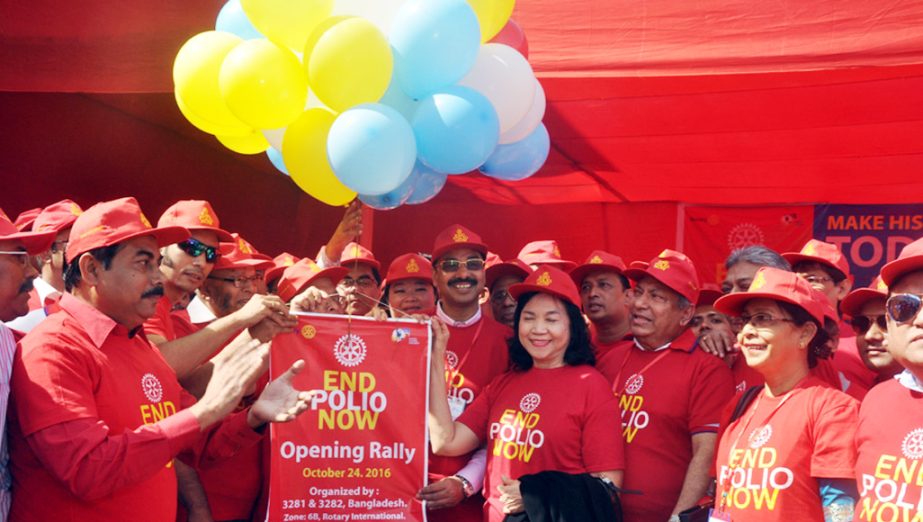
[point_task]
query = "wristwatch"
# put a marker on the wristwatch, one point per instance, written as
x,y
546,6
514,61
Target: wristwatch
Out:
x,y
674,518
467,488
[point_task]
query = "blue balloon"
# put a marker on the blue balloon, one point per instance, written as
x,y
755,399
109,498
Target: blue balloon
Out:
x,y
456,130
435,43
232,19
389,201
371,149
275,157
519,160
396,98
426,183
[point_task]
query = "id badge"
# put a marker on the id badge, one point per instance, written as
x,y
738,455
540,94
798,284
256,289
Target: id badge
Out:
x,y
715,516
456,406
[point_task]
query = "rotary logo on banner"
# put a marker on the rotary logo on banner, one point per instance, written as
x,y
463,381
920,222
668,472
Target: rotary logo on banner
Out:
x,y
359,452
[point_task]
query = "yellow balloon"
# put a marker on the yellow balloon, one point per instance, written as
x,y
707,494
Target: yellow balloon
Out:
x,y
349,63
195,81
263,84
492,15
287,22
304,150
254,143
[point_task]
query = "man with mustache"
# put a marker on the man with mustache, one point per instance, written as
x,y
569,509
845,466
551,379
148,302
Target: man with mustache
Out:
x,y
868,318
604,295
671,394
476,353
98,413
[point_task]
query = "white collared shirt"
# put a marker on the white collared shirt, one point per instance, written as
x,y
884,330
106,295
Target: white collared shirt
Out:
x,y
909,381
473,320
199,312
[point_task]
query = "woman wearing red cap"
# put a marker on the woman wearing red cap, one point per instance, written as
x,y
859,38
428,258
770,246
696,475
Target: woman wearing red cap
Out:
x,y
552,412
790,454
408,286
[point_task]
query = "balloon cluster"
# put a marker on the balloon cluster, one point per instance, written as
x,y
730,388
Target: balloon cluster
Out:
x,y
380,98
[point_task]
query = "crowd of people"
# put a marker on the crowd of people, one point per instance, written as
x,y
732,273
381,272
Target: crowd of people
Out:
x,y
134,383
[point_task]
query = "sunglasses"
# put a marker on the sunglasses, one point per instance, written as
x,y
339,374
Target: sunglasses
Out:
x,y
862,323
903,307
196,248
452,265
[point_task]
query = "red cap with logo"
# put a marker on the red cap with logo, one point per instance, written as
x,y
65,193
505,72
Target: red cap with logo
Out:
x,y
548,280
671,268
598,260
408,266
241,254
299,276
778,285
111,222
194,214
544,252
514,267
852,304
910,260
280,263
815,251
355,253
709,293
25,218
57,216
34,242
457,236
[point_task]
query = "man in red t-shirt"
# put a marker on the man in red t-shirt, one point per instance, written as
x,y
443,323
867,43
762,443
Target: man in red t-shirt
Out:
x,y
889,437
476,353
101,447
604,296
671,394
500,277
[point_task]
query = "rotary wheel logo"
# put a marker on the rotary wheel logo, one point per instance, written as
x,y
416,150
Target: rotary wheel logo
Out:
x,y
308,331
349,350
760,436
529,402
912,447
633,384
451,359
744,235
151,387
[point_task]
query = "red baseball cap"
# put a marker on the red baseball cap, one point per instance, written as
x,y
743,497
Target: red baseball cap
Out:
x,y
194,214
34,242
513,267
241,254
25,218
709,293
910,260
299,276
57,216
816,251
598,260
111,222
408,266
549,280
355,253
671,268
280,263
544,252
457,236
852,304
778,285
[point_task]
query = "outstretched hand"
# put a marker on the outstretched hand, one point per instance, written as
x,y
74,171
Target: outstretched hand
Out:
x,y
280,401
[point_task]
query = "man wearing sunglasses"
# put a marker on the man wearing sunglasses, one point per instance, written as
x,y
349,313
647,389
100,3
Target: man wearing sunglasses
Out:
x,y
476,353
889,437
866,308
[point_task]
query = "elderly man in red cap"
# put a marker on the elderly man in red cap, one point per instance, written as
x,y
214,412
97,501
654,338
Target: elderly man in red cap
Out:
x,y
307,274
361,287
669,443
476,353
889,437
604,297
117,411
500,277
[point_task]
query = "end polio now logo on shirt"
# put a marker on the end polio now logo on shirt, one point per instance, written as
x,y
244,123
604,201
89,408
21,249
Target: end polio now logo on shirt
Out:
x,y
892,492
633,417
516,434
155,411
751,478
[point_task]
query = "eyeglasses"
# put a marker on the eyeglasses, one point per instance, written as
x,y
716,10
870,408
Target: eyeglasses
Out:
x,y
362,282
26,258
762,320
862,323
473,264
196,248
816,279
59,246
903,307
238,282
501,297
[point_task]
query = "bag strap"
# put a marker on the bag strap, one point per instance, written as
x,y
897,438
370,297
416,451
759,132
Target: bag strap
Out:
x,y
744,401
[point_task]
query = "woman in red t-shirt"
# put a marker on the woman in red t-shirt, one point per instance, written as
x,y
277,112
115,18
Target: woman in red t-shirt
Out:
x,y
408,287
552,412
790,454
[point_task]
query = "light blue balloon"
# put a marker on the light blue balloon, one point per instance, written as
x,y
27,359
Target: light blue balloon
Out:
x,y
456,130
426,183
391,200
232,19
275,157
519,160
397,99
435,44
371,149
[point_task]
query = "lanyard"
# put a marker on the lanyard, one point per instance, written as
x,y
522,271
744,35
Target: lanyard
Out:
x,y
454,373
618,377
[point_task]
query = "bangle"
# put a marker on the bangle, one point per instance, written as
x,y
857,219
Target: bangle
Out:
x,y
467,488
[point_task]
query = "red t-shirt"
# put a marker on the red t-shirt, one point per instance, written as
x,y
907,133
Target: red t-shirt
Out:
x,y
889,442
160,323
601,348
856,379
679,395
562,419
183,325
744,376
770,458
